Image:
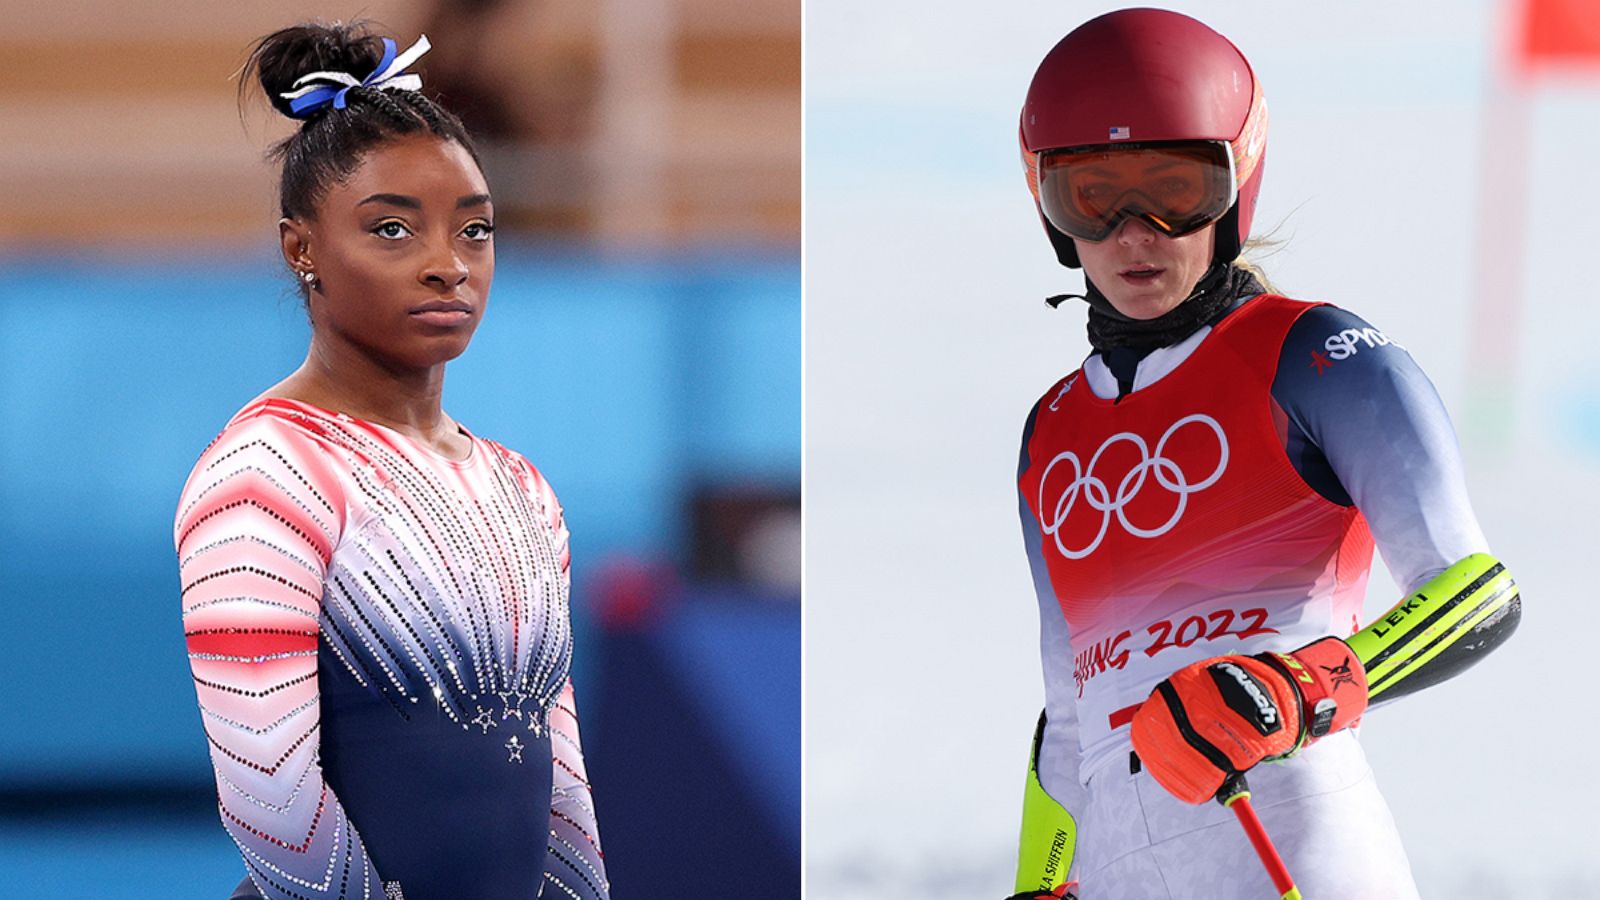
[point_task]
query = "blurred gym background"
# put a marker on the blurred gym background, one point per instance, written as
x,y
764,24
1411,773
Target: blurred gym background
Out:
x,y
642,348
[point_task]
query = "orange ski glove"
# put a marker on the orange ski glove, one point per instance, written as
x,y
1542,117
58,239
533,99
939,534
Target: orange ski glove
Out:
x,y
1220,716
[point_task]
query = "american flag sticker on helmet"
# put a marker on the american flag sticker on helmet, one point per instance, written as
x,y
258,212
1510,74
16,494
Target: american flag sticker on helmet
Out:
x,y
1119,133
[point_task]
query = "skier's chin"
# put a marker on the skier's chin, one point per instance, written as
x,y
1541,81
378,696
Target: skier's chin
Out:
x,y
1145,303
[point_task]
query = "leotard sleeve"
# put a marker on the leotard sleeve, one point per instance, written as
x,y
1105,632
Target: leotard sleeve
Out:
x,y
574,863
256,527
576,866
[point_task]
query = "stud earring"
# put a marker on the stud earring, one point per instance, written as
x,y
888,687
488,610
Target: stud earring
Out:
x,y
310,278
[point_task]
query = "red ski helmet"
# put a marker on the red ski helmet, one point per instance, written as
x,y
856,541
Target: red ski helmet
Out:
x,y
1148,76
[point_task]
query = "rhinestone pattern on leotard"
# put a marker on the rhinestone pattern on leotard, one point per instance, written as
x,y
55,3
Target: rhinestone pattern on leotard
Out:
x,y
436,585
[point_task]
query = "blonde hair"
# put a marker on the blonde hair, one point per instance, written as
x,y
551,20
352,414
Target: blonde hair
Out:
x,y
1255,249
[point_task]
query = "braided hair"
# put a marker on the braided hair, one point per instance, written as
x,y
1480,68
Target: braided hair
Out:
x,y
331,143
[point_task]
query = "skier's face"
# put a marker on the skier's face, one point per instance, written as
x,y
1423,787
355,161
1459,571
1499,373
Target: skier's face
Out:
x,y
1144,274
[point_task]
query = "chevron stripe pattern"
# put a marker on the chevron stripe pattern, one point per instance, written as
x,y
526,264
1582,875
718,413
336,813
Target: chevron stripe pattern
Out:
x,y
574,867
430,581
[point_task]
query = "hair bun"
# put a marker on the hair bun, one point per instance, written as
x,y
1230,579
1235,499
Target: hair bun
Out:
x,y
284,56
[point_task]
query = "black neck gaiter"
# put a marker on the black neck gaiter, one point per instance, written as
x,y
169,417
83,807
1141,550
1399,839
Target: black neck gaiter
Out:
x,y
1216,292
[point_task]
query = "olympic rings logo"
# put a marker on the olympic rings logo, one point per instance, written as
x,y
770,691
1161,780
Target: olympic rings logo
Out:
x,y
1094,492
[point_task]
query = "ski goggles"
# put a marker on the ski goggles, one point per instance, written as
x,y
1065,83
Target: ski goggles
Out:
x,y
1175,188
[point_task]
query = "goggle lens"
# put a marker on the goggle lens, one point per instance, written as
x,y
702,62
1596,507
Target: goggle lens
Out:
x,y
1177,189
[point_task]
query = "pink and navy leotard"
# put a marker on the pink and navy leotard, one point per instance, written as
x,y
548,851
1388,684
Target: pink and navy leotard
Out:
x,y
380,642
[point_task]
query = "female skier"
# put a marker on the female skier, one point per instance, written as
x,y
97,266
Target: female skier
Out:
x,y
1200,502
375,599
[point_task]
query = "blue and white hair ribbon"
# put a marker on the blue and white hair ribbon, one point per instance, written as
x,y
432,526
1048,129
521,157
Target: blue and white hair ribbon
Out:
x,y
318,89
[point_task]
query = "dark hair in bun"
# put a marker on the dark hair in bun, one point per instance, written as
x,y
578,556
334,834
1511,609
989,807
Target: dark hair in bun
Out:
x,y
332,142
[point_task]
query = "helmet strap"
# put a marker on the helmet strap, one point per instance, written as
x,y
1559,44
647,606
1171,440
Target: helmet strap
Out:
x,y
1066,251
1225,243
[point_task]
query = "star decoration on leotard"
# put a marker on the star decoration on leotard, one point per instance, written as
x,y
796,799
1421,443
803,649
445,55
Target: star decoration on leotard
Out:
x,y
515,746
512,701
485,720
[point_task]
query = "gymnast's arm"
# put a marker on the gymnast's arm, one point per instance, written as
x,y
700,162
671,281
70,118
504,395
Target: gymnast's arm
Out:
x,y
575,865
255,530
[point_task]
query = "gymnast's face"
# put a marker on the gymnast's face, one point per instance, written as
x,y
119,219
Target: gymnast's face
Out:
x,y
403,253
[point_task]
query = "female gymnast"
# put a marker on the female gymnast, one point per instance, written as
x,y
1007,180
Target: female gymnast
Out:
x,y
375,598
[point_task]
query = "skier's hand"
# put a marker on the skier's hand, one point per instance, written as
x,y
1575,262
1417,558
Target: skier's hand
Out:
x,y
1223,715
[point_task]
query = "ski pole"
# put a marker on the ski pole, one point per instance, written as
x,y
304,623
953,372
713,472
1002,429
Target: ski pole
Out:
x,y
1235,795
